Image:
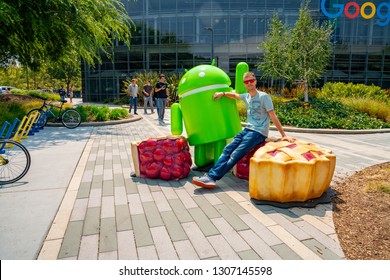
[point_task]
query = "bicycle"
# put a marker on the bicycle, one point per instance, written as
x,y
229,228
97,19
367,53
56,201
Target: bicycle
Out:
x,y
70,118
15,161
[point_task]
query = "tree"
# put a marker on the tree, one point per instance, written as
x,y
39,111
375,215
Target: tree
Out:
x,y
38,31
66,69
300,53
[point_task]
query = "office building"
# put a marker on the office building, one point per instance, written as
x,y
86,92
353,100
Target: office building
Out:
x,y
174,35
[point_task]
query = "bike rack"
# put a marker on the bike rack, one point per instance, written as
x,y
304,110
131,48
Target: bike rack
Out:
x,y
25,127
8,130
12,129
3,128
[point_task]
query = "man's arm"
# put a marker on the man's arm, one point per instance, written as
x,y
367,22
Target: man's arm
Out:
x,y
231,95
276,122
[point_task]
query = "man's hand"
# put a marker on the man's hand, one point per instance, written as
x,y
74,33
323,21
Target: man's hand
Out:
x,y
289,139
218,95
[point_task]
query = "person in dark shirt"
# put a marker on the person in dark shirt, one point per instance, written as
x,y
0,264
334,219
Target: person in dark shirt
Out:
x,y
147,92
161,94
62,93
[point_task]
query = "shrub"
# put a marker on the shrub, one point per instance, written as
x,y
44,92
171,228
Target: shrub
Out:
x,y
83,113
118,113
96,113
11,110
325,113
350,90
374,108
103,113
37,94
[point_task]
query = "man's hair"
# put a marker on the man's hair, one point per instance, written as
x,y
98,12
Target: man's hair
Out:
x,y
249,73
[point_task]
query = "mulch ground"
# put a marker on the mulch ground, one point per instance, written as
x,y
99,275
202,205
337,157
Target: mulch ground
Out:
x,y
362,213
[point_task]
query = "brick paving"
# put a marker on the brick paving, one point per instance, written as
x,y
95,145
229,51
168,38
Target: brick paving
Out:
x,y
78,201
106,214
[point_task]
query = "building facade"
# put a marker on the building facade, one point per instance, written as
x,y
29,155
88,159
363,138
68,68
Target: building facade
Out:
x,y
174,35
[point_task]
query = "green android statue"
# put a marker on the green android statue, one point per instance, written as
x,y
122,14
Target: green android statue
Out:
x,y
209,124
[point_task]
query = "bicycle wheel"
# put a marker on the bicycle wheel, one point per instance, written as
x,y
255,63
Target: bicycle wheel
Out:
x,y
71,118
42,119
15,161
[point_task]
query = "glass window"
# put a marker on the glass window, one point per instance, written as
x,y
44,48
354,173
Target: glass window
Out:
x,y
121,61
234,33
154,5
256,5
342,62
185,5
255,26
134,8
185,30
136,61
168,5
374,62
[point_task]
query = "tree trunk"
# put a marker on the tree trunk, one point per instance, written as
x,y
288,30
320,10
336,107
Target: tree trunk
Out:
x,y
306,91
27,80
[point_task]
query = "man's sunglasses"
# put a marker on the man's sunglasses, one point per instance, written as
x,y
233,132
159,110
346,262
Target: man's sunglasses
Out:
x,y
247,82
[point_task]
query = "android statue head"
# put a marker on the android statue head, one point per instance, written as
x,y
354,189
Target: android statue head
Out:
x,y
208,122
201,78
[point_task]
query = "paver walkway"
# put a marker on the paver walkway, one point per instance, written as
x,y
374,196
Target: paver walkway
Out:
x,y
118,217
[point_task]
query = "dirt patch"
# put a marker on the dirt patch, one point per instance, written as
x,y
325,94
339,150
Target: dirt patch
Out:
x,y
16,98
362,213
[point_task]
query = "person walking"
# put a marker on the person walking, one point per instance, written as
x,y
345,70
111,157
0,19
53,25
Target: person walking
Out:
x,y
161,95
260,111
62,93
71,94
147,92
132,89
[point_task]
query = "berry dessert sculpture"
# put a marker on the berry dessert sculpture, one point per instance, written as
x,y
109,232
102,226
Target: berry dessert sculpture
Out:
x,y
166,158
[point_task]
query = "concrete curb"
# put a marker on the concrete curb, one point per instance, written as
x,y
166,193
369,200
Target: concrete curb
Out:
x,y
333,131
114,122
328,131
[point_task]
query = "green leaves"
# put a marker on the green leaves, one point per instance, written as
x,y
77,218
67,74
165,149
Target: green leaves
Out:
x,y
325,113
296,53
40,31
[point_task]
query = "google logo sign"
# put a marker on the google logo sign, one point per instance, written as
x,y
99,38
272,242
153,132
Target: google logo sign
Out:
x,y
367,10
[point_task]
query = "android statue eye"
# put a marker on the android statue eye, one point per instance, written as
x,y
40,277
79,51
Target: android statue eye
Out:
x,y
202,74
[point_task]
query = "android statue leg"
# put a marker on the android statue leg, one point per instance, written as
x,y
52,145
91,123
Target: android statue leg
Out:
x,y
208,153
204,154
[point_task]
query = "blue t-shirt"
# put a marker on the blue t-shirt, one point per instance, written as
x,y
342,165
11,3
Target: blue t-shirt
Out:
x,y
257,108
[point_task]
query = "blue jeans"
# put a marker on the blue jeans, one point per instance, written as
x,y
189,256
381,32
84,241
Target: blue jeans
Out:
x,y
161,103
242,143
148,99
133,101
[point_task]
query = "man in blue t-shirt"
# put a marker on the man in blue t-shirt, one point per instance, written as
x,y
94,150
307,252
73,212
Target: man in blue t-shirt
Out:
x,y
260,111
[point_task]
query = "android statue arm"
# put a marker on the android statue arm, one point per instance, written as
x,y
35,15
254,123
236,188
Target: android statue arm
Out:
x,y
241,69
176,119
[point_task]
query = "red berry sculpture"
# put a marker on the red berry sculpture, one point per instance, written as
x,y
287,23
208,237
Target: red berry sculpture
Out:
x,y
166,158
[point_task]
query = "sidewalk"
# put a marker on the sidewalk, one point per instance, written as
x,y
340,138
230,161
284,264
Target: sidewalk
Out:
x,y
78,201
